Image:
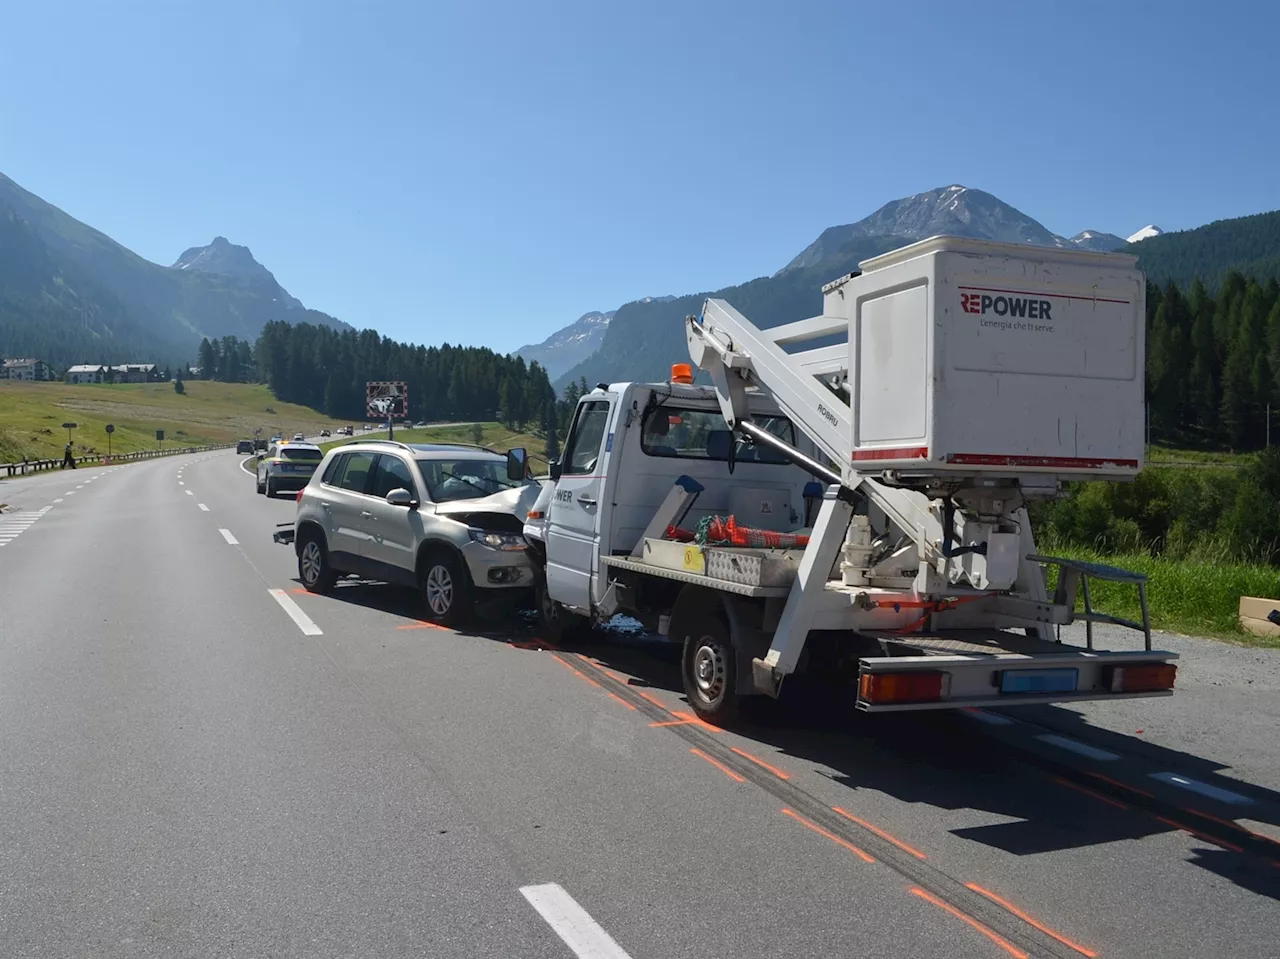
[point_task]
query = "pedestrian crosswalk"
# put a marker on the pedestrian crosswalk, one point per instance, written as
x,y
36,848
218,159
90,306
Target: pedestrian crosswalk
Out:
x,y
13,525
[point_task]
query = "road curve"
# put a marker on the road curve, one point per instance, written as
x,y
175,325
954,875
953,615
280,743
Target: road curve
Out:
x,y
202,759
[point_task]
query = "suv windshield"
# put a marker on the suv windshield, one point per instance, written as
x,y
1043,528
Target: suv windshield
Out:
x,y
294,453
469,478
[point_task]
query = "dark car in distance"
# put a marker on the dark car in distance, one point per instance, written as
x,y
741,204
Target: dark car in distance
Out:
x,y
244,446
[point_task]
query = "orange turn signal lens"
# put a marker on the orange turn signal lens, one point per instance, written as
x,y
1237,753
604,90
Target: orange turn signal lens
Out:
x,y
1145,678
681,373
535,514
879,689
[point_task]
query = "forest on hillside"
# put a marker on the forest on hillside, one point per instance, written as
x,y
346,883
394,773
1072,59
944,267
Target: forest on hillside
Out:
x,y
1212,362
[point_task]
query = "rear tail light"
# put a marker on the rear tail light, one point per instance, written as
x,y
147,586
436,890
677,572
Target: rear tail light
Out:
x,y
298,498
879,689
1146,678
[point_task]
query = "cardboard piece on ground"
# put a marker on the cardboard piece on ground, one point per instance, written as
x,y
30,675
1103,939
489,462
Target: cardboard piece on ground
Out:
x,y
1253,615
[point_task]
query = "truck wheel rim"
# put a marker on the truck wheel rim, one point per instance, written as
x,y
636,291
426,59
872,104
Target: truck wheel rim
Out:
x,y
708,671
311,562
439,590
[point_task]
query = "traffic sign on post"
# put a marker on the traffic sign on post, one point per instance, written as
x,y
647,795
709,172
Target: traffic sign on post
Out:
x,y
160,436
68,427
110,429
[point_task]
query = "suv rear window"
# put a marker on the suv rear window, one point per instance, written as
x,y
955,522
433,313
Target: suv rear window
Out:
x,y
356,476
296,453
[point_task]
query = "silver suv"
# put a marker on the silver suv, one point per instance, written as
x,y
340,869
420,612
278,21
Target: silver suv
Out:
x,y
444,519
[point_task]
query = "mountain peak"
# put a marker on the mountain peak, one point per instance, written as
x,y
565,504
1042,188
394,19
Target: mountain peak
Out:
x,y
570,345
221,256
956,210
1147,231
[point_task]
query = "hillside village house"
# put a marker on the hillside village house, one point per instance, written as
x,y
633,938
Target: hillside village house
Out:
x,y
123,373
24,369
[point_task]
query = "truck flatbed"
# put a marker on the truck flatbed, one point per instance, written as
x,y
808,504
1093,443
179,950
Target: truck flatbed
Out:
x,y
695,578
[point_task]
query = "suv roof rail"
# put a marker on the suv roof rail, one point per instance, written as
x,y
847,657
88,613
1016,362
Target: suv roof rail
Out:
x,y
403,446
410,447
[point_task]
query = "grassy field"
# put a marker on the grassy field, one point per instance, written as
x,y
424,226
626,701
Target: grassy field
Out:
x,y
1199,599
493,435
1170,456
31,415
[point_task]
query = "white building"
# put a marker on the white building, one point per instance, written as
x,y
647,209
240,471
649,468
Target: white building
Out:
x,y
24,369
86,373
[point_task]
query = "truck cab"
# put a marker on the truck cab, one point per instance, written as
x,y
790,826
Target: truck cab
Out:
x,y
627,445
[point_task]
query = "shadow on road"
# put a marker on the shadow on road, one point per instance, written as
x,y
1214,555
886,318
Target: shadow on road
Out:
x,y
936,759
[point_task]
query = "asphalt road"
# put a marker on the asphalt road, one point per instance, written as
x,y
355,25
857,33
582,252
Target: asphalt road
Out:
x,y
201,759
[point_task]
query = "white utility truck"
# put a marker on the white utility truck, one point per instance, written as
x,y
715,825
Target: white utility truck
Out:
x,y
877,462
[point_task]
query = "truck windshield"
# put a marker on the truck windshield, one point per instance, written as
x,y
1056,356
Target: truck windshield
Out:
x,y
449,480
704,435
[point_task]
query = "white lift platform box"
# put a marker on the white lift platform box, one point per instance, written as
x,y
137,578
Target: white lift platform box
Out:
x,y
968,357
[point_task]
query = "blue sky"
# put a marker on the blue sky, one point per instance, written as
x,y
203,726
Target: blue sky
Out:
x,y
484,172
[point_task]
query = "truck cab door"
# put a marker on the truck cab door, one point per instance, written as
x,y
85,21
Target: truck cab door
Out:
x,y
573,520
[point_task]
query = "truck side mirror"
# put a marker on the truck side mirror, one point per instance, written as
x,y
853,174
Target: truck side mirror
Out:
x,y
555,469
517,464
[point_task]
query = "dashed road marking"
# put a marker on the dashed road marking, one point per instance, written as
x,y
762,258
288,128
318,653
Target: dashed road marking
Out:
x,y
572,923
203,507
295,612
1204,789
231,540
189,493
1075,746
58,500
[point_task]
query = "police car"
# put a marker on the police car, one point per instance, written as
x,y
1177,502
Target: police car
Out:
x,y
287,466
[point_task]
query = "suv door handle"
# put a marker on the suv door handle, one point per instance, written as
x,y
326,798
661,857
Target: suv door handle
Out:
x,y
325,504
365,513
587,500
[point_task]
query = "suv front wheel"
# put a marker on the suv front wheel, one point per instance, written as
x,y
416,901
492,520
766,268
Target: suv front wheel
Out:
x,y
446,592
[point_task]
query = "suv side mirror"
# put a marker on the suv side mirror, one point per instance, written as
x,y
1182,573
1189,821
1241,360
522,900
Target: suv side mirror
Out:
x,y
517,464
401,497
555,469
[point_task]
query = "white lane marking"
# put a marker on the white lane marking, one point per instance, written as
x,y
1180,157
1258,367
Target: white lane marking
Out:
x,y
14,525
203,507
58,500
295,613
189,493
1204,789
572,923
231,540
993,719
1075,746
81,486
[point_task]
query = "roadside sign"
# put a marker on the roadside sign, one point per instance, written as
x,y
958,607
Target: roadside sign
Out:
x,y
160,435
111,428
68,426
258,431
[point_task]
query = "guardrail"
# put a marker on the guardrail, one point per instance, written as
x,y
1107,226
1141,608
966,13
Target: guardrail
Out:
x,y
36,466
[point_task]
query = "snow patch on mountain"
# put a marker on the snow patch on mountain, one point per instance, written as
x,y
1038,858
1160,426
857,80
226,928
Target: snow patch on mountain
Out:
x,y
1149,230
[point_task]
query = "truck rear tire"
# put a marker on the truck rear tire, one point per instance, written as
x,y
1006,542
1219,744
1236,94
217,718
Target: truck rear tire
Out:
x,y
709,670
